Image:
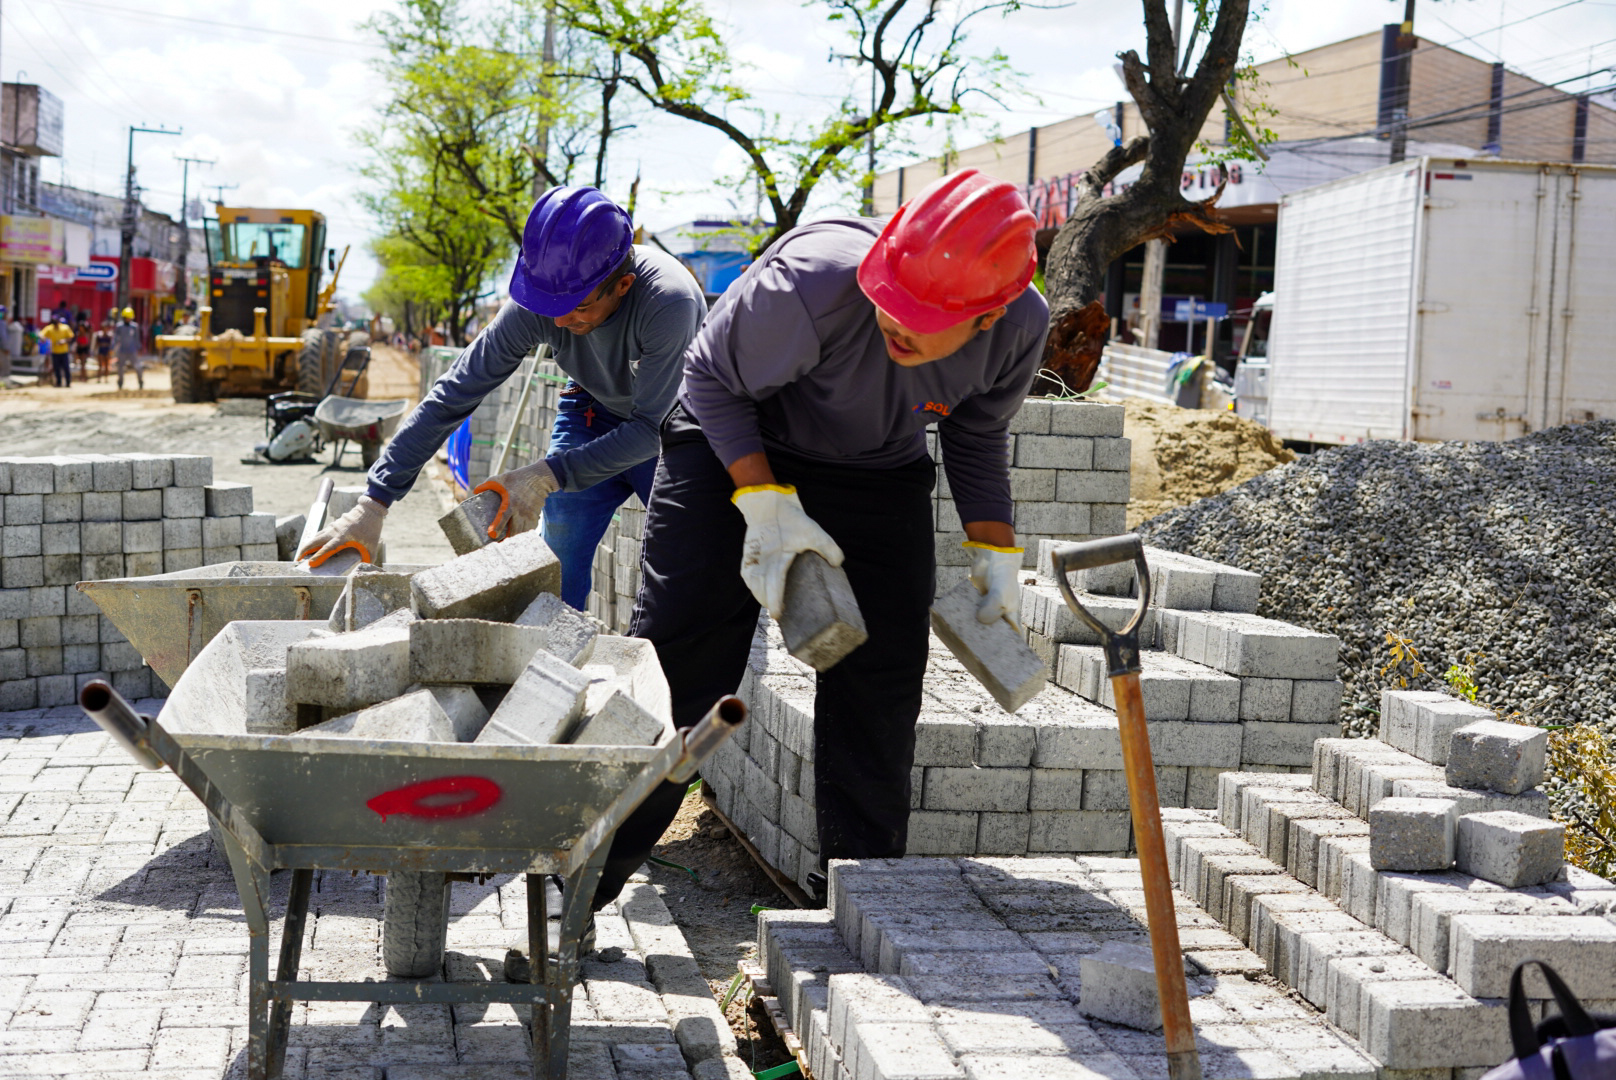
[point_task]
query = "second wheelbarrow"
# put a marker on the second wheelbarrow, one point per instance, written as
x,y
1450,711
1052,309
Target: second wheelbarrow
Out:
x,y
306,804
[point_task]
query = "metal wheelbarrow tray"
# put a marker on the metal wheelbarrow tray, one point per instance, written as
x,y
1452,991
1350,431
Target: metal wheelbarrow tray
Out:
x,y
359,419
306,804
170,617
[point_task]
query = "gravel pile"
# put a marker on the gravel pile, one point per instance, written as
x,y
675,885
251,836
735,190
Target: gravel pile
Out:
x,y
1504,552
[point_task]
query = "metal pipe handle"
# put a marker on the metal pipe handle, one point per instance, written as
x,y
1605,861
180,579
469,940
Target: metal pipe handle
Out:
x,y
128,728
721,721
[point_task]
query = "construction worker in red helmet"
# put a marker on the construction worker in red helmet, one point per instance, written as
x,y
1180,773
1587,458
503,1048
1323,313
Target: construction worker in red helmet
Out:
x,y
801,426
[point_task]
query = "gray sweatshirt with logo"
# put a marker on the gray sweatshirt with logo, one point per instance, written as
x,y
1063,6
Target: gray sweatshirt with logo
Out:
x,y
629,364
791,358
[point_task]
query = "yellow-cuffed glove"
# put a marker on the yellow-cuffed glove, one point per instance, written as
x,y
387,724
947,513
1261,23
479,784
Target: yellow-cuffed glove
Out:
x,y
777,530
996,573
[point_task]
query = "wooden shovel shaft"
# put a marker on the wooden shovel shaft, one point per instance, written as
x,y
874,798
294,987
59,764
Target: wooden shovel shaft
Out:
x,y
1183,1063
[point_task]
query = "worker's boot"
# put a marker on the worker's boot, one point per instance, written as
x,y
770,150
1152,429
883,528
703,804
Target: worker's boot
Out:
x,y
517,967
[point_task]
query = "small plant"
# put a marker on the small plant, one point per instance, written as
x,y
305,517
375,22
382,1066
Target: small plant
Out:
x,y
1405,662
1583,758
1461,678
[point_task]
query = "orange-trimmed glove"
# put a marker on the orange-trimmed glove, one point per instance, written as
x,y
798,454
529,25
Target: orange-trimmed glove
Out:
x,y
777,529
360,529
521,498
996,573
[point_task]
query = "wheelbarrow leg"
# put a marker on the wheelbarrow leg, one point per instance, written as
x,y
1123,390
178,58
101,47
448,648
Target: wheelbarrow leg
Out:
x,y
538,953
280,1016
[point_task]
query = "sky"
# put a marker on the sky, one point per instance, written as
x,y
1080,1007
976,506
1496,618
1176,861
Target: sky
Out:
x,y
274,94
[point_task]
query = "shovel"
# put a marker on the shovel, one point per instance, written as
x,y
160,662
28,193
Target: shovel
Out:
x,y
1122,661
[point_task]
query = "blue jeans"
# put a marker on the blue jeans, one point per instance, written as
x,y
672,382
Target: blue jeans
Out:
x,y
574,521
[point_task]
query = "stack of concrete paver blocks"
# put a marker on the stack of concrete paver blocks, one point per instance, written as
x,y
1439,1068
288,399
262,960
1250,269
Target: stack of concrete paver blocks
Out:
x,y
996,969
1069,477
87,518
1413,963
494,417
1048,778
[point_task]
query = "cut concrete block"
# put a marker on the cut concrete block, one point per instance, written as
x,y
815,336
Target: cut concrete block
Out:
x,y
542,707
368,597
1491,755
1510,849
1486,948
465,710
992,652
471,651
822,622
497,582
237,683
1412,834
1119,986
288,530
413,717
568,633
350,671
621,721
466,525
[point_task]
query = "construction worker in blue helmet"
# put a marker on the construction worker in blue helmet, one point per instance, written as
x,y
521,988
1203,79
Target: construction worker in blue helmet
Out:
x,y
619,317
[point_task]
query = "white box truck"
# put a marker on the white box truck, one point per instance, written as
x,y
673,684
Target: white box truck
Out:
x,y
1445,298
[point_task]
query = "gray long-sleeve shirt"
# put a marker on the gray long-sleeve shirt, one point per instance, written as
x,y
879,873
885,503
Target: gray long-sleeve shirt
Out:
x,y
630,365
791,357
126,338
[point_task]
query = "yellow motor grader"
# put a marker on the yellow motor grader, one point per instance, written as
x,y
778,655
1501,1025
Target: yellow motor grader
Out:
x,y
264,326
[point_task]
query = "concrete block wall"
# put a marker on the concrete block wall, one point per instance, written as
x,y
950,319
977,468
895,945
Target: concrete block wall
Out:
x,y
84,518
1048,778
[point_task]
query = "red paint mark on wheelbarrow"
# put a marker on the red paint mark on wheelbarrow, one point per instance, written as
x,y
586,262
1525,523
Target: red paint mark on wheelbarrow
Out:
x,y
444,797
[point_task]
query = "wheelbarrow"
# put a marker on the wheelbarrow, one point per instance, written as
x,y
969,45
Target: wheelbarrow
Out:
x,y
168,618
303,804
369,423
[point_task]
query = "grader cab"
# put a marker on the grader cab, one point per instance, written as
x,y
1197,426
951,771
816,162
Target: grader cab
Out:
x,y
264,325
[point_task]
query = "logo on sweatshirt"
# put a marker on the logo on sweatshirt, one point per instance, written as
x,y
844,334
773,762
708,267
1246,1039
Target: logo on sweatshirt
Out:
x,y
932,407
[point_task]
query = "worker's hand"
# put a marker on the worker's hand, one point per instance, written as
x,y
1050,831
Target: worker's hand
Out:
x,y
521,498
777,530
996,573
360,529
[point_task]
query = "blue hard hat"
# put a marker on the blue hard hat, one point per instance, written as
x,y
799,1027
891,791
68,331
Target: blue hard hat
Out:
x,y
573,240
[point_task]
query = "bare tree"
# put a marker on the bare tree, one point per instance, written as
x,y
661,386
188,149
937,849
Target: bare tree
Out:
x,y
1102,227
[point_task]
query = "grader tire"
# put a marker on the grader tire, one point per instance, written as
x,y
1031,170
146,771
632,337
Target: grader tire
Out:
x,y
184,376
415,924
311,363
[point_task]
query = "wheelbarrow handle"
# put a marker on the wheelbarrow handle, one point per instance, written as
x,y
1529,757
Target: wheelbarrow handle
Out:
x,y
708,734
127,727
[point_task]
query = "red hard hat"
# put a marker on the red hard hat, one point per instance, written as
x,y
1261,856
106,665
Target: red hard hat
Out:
x,y
961,247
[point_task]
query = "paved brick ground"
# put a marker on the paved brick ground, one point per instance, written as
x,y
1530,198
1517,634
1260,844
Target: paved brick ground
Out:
x,y
123,949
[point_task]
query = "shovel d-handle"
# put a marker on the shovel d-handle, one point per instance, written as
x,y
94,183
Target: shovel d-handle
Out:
x,y
1122,659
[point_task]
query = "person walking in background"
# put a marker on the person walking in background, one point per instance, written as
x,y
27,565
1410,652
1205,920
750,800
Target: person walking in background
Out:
x,y
103,349
126,339
14,343
60,337
83,341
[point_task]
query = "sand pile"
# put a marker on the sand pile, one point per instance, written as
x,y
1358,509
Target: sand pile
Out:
x,y
1181,455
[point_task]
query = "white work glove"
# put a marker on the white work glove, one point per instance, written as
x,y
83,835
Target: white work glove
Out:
x,y
996,573
777,529
521,498
360,529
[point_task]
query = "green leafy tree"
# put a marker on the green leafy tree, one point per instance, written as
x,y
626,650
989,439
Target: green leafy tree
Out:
x,y
674,58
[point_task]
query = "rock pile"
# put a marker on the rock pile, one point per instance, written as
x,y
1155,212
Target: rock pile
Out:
x,y
1499,553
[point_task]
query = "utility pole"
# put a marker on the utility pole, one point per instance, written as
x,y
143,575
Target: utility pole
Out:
x,y
869,185
219,190
182,284
541,180
1405,71
131,214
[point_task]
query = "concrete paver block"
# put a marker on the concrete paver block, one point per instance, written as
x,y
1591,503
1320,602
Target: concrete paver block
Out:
x,y
464,708
350,671
471,651
368,597
413,717
236,684
822,622
1412,834
1430,1024
1510,849
1486,948
542,707
288,530
1119,986
228,499
993,652
1496,756
629,664
568,632
1244,644
621,721
1419,722
467,524
497,582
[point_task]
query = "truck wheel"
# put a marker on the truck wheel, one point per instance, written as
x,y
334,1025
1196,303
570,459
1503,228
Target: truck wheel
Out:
x,y
415,923
184,378
310,363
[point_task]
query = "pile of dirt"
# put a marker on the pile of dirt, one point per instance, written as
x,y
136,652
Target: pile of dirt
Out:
x,y
1181,455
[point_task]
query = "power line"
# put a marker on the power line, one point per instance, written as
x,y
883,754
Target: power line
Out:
x,y
111,80
253,31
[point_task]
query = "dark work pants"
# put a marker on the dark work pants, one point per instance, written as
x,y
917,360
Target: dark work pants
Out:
x,y
698,612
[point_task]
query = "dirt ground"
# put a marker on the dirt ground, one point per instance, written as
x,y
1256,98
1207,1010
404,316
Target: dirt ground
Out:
x,y
714,910
1181,455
